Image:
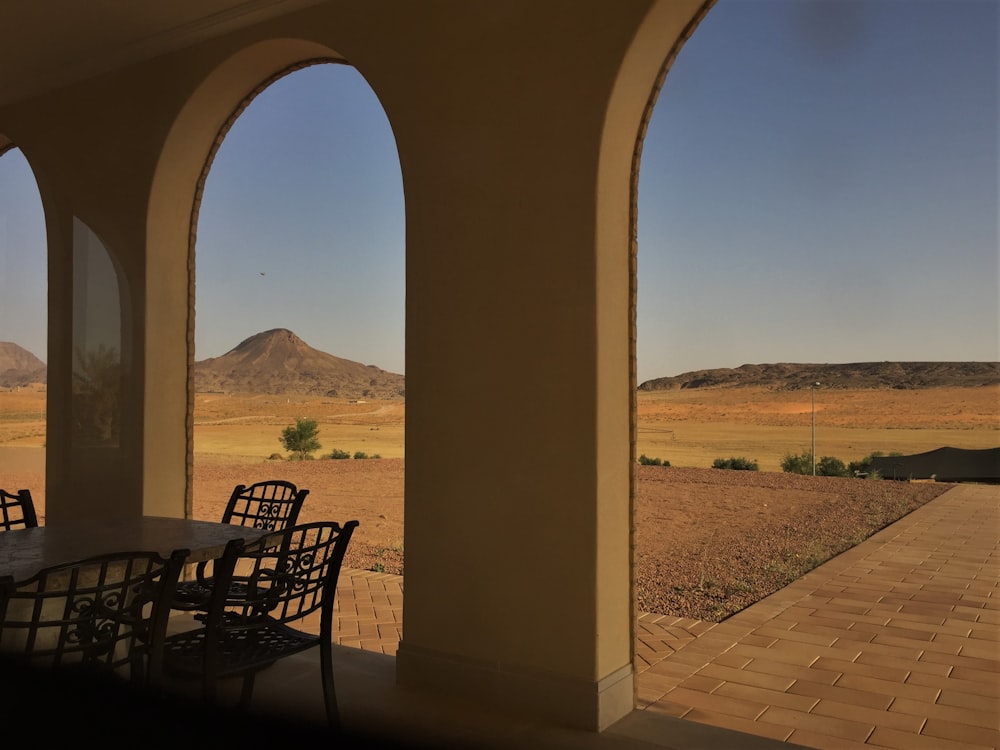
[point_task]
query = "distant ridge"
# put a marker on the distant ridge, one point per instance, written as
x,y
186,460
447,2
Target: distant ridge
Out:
x,y
859,375
19,367
278,361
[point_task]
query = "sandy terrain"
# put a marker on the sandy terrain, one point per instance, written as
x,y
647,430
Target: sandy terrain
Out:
x,y
708,542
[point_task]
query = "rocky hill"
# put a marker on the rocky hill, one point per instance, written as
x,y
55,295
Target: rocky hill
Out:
x,y
278,361
859,375
18,366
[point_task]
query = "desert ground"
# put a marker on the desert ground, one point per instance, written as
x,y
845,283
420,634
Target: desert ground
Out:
x,y
708,541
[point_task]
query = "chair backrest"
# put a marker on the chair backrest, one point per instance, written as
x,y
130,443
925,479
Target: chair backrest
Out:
x,y
270,505
17,510
108,611
282,576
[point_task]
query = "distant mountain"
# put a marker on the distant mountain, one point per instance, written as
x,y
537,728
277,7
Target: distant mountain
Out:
x,y
278,361
18,366
860,375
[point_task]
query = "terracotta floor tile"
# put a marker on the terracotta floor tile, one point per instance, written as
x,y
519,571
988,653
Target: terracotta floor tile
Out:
x,y
984,703
768,697
718,704
991,677
747,726
868,715
919,608
922,617
985,633
731,660
893,738
701,683
798,634
972,649
841,694
888,688
962,662
962,733
951,683
746,677
665,707
943,647
822,725
946,713
780,669
825,741
879,671
757,638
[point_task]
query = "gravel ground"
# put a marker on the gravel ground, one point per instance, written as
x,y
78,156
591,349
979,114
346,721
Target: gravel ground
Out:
x,y
709,542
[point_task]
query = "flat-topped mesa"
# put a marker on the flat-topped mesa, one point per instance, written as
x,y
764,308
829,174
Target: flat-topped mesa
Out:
x,y
850,376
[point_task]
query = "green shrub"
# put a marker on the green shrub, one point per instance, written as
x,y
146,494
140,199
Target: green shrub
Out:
x,y
828,466
336,453
737,463
645,460
797,464
360,454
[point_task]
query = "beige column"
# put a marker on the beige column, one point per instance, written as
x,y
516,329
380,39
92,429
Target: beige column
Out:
x,y
517,170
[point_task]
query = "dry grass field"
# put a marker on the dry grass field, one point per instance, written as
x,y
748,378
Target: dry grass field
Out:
x,y
708,542
694,427
687,427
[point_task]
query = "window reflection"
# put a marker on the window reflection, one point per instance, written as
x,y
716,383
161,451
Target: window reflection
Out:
x,y
97,333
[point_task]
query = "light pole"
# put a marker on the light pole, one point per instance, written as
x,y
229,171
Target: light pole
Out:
x,y
812,391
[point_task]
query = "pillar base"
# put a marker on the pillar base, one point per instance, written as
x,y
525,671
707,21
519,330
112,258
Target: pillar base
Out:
x,y
564,700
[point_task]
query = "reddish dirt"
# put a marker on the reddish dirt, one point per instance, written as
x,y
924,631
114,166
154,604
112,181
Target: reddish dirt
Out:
x,y
709,542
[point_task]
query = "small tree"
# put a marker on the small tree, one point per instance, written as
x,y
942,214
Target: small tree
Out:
x,y
300,439
797,464
828,466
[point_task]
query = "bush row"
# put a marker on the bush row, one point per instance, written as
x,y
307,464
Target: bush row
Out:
x,y
801,463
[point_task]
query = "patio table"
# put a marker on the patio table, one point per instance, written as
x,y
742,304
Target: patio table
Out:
x,y
26,551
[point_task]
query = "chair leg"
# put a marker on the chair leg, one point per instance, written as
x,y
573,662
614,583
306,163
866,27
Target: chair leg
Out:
x,y
329,692
247,692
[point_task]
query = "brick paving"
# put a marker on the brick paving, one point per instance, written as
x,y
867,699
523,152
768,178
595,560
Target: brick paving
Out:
x,y
895,643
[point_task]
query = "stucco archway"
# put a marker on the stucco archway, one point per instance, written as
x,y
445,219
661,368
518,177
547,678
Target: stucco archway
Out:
x,y
184,163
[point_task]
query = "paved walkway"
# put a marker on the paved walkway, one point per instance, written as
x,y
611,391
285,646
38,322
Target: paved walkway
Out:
x,y
894,643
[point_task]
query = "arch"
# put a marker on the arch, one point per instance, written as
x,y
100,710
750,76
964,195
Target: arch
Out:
x,y
18,290
189,150
640,77
183,164
23,279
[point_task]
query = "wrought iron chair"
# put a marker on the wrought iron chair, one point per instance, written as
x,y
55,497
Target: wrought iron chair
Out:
x,y
283,577
17,510
107,612
272,505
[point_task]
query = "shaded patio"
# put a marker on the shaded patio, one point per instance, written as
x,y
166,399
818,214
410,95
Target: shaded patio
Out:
x,y
894,643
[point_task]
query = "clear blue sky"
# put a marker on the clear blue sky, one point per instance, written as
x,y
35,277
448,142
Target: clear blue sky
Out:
x,y
818,184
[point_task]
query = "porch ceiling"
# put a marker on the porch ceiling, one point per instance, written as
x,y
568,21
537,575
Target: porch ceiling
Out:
x,y
44,45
